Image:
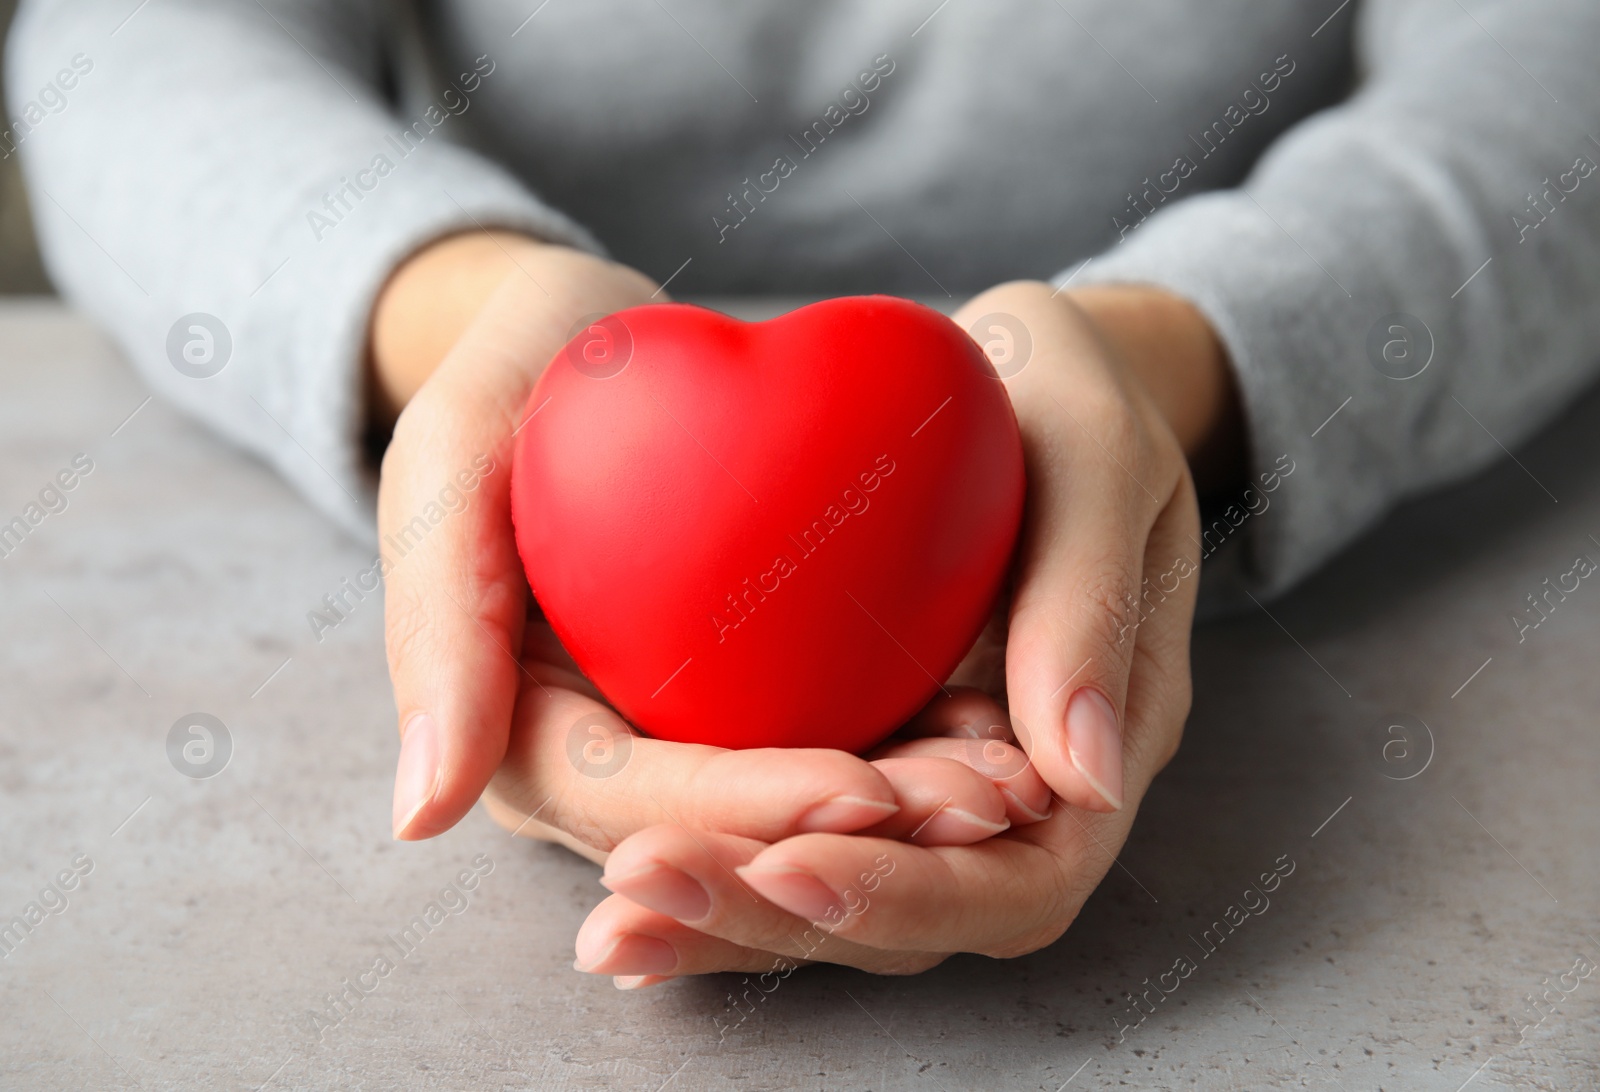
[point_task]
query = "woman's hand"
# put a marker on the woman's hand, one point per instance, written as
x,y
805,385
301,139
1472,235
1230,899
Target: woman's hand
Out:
x,y
459,336
1118,385
485,691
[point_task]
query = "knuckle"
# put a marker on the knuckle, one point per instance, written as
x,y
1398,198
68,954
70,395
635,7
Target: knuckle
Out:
x,y
1059,896
417,423
596,836
1010,296
1043,910
632,283
1118,429
1096,612
1169,749
1168,452
405,625
572,815
502,604
1183,701
1157,733
511,799
696,794
1054,914
1170,744
909,963
540,778
1105,609
1028,942
1166,747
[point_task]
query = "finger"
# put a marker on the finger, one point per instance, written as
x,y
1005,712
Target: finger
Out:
x,y
455,597
639,982
943,802
1007,766
620,937
1099,475
624,939
574,764
961,711
987,744
1002,897
521,824
690,878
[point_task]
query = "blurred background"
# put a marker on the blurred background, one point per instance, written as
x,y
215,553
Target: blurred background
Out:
x,y
20,271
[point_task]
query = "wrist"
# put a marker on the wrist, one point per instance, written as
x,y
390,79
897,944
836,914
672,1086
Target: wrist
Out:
x,y
1176,356
427,303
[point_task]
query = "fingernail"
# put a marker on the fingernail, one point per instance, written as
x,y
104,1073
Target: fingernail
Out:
x,y
843,814
800,893
417,773
664,889
1094,744
638,981
640,956
957,826
629,956
1035,816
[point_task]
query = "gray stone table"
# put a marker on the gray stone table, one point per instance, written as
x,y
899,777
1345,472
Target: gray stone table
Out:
x,y
209,918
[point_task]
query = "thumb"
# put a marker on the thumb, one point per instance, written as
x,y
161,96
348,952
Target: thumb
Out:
x,y
1097,656
1105,508
1069,652
455,598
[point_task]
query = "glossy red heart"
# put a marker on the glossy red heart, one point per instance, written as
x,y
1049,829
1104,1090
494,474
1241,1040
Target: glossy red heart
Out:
x,y
783,533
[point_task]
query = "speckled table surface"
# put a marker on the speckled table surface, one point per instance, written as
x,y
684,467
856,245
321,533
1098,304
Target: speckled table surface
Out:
x,y
1442,885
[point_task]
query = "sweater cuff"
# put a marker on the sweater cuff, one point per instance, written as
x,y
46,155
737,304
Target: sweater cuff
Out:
x,y
1285,324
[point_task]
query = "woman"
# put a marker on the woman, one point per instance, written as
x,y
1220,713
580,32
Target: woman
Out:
x,y
1304,260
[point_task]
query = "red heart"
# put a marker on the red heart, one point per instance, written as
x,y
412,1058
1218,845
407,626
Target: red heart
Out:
x,y
782,533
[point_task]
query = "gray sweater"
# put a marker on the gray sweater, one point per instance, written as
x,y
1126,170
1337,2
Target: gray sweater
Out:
x,y
1385,207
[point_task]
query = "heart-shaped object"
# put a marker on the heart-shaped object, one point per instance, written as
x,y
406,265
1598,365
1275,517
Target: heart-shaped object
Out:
x,y
783,533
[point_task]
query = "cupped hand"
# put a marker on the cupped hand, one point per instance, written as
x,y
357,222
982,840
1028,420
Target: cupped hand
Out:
x,y
574,772
1096,677
495,309
487,698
